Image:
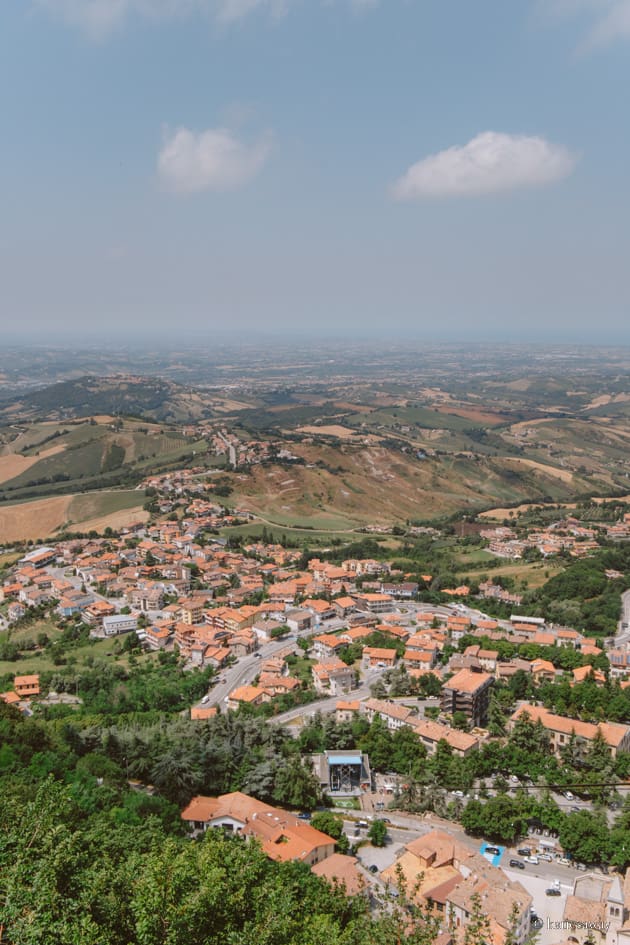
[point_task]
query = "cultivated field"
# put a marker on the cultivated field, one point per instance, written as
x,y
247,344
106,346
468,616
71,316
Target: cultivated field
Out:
x,y
13,464
343,433
32,520
96,511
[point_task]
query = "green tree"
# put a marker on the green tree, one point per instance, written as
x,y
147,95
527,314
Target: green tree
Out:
x,y
377,833
296,786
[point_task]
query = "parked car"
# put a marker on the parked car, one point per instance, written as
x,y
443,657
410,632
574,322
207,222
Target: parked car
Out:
x,y
458,794
580,866
493,850
535,921
304,815
523,851
552,891
547,857
575,810
569,796
533,859
518,864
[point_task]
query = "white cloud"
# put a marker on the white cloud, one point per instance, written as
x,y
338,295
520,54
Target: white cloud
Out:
x,y
98,19
215,159
490,163
611,24
610,19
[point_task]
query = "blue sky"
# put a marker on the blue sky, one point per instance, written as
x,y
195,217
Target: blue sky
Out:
x,y
444,169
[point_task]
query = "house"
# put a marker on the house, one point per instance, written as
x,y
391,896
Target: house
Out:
x,y
15,610
393,714
598,910
355,634
299,620
191,610
95,612
341,870
619,662
346,709
216,656
561,730
333,676
378,657
278,685
374,603
420,659
26,686
156,637
468,692
327,646
581,673
447,877
264,629
568,637
247,695
344,606
200,713
281,835
321,609
488,660
432,733
543,671
10,698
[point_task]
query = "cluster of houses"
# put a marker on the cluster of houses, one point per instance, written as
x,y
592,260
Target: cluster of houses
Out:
x,y
449,878
567,534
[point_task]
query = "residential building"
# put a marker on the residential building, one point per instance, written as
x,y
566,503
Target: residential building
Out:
x,y
26,686
392,713
468,692
378,657
447,877
561,730
281,835
432,733
333,676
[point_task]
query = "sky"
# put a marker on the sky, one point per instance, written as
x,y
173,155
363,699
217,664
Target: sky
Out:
x,y
432,169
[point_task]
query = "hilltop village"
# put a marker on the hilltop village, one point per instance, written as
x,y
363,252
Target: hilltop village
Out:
x,y
482,762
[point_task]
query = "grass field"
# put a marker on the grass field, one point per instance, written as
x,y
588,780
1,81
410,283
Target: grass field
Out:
x,y
304,536
41,662
473,565
100,504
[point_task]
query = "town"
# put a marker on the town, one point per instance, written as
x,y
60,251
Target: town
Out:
x,y
482,762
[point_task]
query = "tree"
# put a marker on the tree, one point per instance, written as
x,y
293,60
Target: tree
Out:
x,y
460,721
377,834
296,786
333,826
584,835
477,930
